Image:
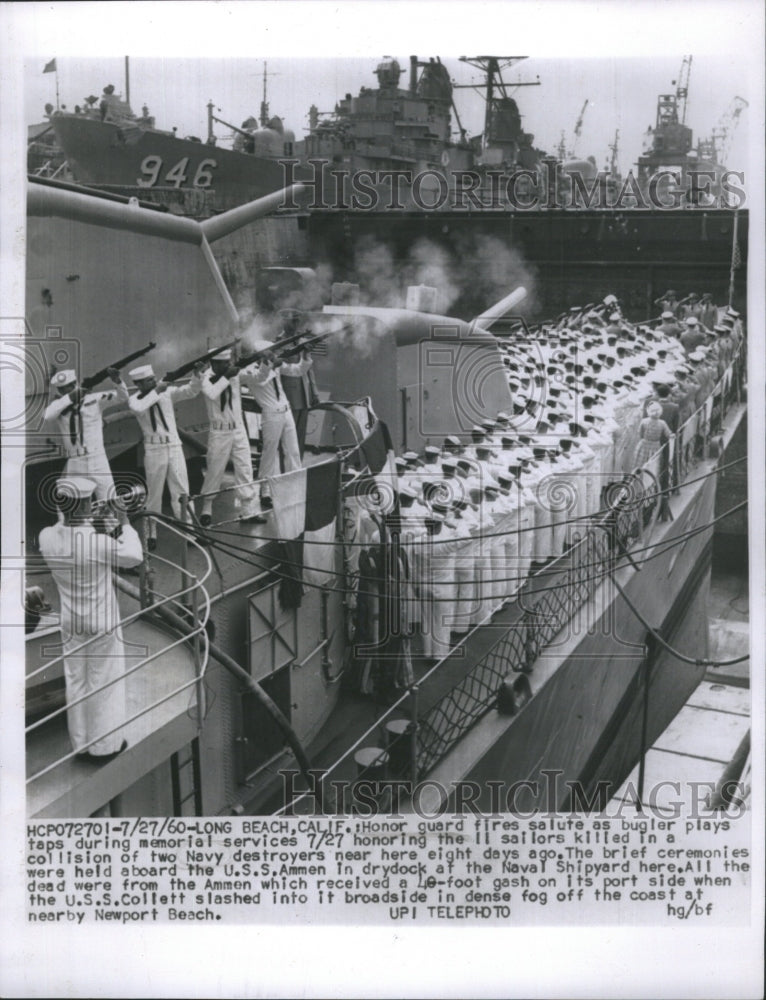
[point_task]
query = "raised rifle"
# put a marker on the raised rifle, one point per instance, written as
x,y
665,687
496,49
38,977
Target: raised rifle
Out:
x,y
274,348
102,373
176,373
300,348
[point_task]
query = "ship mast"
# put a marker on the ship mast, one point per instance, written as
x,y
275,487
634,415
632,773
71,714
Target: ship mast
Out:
x,y
263,118
492,67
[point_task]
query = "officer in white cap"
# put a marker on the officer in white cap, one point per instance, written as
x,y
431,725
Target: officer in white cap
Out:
x,y
164,462
669,326
693,336
82,563
227,438
78,416
263,379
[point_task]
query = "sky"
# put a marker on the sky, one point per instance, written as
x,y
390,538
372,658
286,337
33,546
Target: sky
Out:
x,y
622,92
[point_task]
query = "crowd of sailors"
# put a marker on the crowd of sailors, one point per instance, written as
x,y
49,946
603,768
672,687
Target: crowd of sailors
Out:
x,y
595,398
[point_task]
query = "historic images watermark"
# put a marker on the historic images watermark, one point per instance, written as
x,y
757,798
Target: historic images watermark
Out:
x,y
685,802
336,187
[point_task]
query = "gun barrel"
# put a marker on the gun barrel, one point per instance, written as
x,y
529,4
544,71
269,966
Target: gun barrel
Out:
x,y
221,225
502,307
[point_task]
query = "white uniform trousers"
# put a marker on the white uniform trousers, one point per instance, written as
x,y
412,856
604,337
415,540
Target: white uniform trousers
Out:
x,y
278,427
223,445
101,661
165,463
96,467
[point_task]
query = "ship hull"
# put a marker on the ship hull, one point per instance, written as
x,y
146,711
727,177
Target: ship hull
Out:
x,y
192,178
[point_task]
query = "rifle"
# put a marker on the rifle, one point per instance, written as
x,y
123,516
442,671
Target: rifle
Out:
x,y
300,348
274,348
99,376
182,370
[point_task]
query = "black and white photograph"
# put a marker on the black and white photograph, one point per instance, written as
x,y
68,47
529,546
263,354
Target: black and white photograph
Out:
x,y
382,490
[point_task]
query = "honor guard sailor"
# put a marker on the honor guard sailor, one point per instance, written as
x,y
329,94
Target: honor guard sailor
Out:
x,y
263,379
227,437
78,416
164,462
82,563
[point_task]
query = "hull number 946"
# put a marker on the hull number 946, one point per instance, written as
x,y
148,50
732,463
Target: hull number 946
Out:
x,y
151,169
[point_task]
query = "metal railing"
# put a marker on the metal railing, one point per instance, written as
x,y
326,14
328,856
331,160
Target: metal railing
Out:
x,y
198,613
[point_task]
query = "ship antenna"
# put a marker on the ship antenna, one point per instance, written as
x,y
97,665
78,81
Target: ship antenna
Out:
x,y
264,115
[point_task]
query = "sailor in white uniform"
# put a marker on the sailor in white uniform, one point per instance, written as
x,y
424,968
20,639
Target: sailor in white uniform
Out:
x,y
78,416
82,563
263,379
164,462
227,437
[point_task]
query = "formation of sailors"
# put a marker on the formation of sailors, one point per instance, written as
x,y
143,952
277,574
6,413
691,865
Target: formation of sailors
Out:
x,y
593,398
78,416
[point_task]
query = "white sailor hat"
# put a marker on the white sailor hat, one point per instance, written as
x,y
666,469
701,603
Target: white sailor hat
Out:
x,y
143,371
697,355
719,328
410,456
503,417
434,518
449,463
74,487
453,441
224,355
732,312
614,318
65,377
667,314
431,449
408,491
691,320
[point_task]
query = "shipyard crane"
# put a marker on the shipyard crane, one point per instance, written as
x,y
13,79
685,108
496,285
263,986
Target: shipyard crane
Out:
x,y
492,67
718,145
578,127
562,146
614,148
682,87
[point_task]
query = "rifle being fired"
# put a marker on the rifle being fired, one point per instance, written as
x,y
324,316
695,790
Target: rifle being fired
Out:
x,y
287,347
184,369
103,373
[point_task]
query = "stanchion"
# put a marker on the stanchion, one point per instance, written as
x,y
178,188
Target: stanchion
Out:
x,y
371,772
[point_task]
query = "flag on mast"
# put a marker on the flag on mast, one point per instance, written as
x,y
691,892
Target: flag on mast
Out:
x,y
50,67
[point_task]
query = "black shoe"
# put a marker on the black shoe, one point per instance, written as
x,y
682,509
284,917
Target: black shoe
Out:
x,y
129,571
254,519
205,520
103,758
267,503
151,544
